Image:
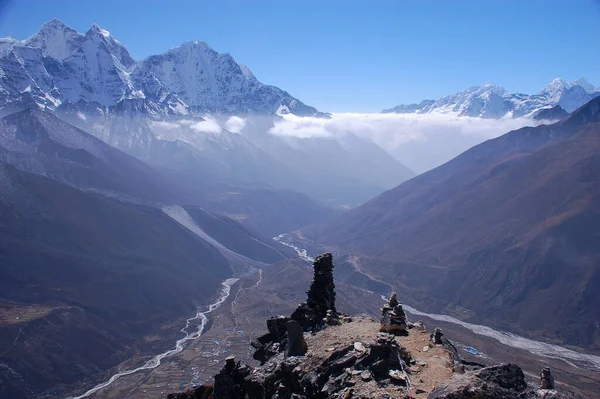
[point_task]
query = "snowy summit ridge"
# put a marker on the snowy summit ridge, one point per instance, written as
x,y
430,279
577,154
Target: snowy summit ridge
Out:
x,y
493,101
59,65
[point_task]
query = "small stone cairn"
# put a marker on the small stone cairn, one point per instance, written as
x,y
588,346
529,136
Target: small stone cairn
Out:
x,y
546,379
436,337
393,318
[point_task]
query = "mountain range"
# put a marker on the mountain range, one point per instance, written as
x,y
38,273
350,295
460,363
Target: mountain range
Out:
x,y
59,64
493,101
506,233
172,111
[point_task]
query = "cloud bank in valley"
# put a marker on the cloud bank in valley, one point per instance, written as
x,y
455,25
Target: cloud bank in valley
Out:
x,y
420,141
235,124
207,126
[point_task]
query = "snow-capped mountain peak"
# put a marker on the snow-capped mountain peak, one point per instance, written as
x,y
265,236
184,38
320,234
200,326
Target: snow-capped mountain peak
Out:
x,y
99,35
586,85
56,40
96,29
493,101
96,68
7,43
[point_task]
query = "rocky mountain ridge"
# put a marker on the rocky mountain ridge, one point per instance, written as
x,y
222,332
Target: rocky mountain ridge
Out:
x,y
494,102
320,353
60,65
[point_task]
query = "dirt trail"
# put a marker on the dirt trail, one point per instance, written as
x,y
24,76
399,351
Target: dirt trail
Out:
x,y
236,317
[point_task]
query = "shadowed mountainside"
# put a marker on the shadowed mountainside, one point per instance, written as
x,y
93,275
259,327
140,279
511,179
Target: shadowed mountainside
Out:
x,y
505,233
103,269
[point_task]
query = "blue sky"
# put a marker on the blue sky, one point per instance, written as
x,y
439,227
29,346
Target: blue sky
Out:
x,y
354,56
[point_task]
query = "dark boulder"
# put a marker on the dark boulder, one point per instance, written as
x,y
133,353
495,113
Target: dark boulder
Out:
x,y
230,382
505,381
201,392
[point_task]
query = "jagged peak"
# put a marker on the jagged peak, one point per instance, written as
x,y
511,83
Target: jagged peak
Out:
x,y
95,29
560,83
487,87
53,26
581,81
587,86
195,45
557,84
55,23
116,48
56,39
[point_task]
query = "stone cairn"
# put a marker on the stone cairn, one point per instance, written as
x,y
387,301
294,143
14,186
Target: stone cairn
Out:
x,y
286,333
319,307
546,379
393,318
436,336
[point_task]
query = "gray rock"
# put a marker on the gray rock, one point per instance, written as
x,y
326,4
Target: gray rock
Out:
x,y
366,375
296,345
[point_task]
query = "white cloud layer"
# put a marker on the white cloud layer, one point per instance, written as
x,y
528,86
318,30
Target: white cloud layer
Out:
x,y
235,124
420,141
207,126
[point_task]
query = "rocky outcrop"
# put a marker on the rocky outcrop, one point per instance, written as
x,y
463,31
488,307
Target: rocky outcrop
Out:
x,y
271,343
317,312
382,361
505,381
349,358
230,383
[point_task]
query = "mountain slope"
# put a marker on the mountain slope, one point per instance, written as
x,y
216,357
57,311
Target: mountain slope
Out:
x,y
209,81
101,272
39,142
263,209
92,271
503,234
492,101
555,113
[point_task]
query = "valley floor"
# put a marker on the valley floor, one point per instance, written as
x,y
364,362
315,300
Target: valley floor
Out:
x,y
277,290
